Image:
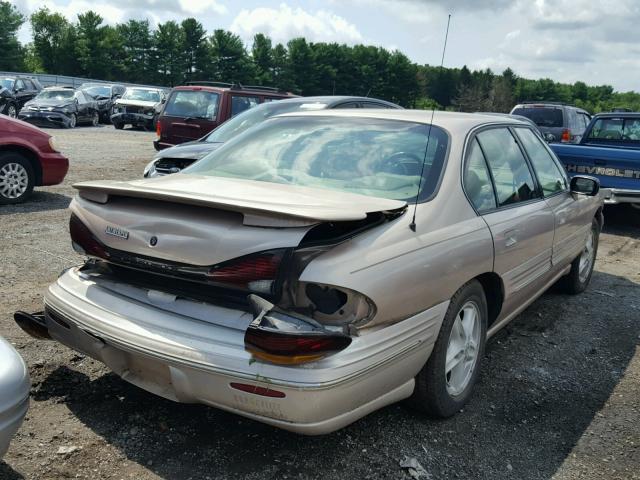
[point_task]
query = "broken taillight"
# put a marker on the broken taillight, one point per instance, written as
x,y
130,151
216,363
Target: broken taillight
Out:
x,y
257,272
284,338
566,136
83,241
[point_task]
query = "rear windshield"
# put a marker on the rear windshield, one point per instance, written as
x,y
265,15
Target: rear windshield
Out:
x,y
374,157
541,116
256,115
193,104
618,129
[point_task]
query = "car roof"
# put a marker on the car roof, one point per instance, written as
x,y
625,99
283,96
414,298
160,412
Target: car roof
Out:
x,y
233,88
333,100
617,115
455,122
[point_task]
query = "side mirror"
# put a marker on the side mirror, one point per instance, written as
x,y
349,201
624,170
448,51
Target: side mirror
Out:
x,y
584,185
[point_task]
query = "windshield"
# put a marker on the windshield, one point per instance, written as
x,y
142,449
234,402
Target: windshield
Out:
x,y
55,94
6,83
542,116
253,116
142,95
193,104
98,91
375,157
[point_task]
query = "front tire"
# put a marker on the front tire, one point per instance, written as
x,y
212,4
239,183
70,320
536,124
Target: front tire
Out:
x,y
577,280
446,382
12,111
95,119
16,178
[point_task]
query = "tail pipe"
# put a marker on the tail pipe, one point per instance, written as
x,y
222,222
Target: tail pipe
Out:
x,y
33,323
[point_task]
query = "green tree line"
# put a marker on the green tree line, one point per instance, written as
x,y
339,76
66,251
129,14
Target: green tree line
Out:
x,y
173,53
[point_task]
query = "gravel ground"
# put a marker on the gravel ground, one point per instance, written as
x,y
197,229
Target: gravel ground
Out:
x,y
559,396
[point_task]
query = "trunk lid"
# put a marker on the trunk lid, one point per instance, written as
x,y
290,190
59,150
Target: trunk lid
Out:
x,y
204,221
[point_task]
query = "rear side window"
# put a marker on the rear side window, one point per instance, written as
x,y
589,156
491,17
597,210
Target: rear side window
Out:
x,y
620,129
541,116
512,178
549,175
193,103
477,181
240,103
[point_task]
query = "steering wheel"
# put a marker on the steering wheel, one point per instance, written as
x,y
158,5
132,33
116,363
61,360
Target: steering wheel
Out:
x,y
401,162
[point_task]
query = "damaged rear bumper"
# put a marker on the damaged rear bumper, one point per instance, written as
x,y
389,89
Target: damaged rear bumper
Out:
x,y
196,355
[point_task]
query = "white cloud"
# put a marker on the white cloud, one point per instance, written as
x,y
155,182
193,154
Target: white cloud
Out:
x,y
285,23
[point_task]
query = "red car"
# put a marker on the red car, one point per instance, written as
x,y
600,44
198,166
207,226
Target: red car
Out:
x,y
193,110
28,158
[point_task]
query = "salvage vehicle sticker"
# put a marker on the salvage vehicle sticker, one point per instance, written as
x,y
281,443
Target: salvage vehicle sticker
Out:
x,y
606,171
117,232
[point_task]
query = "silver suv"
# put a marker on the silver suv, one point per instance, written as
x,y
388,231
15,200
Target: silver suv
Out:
x,y
557,122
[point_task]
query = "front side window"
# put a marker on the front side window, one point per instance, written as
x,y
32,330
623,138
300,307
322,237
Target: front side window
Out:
x,y
477,181
551,178
240,103
193,103
20,85
513,179
366,156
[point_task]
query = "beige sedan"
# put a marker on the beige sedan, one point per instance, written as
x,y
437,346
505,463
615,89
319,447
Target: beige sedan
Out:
x,y
325,264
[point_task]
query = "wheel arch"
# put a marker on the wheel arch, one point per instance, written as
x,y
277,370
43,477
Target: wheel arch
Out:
x,y
494,292
30,155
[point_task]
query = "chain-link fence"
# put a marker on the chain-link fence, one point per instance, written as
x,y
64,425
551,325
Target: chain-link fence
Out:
x,y
48,80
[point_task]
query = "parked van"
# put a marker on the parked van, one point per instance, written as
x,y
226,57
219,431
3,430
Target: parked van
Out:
x,y
193,110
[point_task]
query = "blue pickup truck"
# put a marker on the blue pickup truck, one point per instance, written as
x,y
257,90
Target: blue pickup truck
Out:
x,y
610,151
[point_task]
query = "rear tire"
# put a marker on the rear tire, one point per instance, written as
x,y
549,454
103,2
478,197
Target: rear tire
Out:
x,y
12,111
577,280
16,178
443,388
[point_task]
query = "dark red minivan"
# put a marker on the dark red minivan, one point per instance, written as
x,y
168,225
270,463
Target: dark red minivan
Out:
x,y
193,110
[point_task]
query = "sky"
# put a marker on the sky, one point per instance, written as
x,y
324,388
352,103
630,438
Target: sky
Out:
x,y
594,41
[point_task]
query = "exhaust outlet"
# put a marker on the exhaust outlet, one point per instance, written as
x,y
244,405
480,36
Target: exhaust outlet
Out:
x,y
33,323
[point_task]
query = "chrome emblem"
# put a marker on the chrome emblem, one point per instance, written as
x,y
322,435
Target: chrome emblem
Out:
x,y
154,241
116,232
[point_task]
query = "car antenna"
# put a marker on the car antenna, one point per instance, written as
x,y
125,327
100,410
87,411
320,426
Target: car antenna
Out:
x,y
412,225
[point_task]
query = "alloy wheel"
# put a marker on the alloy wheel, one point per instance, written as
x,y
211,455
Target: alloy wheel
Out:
x,y
462,350
14,180
95,119
73,120
586,258
11,111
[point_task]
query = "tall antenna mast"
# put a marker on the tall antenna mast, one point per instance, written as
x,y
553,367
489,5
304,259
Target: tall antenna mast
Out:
x,y
412,225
